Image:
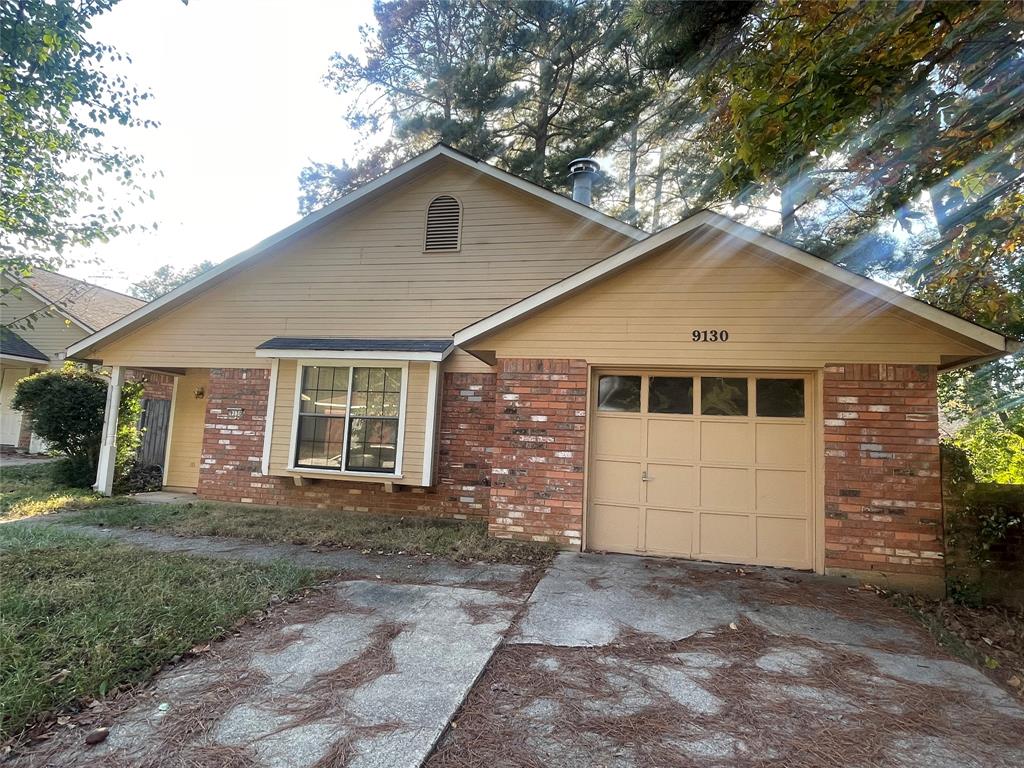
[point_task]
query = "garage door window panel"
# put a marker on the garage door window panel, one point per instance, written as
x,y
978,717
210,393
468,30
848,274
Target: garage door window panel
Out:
x,y
780,398
618,394
723,396
670,394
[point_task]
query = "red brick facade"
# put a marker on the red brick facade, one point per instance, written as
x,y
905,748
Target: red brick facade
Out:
x,y
233,448
511,450
539,440
883,494
156,386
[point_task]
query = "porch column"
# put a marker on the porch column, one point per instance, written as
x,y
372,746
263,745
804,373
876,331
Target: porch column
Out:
x,y
108,446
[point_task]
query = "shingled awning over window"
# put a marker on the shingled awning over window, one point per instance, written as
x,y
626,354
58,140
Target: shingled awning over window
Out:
x,y
381,349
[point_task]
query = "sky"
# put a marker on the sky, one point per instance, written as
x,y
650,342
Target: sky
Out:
x,y
238,90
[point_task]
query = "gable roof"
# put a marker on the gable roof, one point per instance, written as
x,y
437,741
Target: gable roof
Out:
x,y
13,346
186,291
90,306
624,258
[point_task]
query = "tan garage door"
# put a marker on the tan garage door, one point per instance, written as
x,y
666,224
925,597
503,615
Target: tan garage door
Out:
x,y
703,465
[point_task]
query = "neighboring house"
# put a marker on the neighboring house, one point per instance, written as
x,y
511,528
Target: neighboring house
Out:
x,y
452,341
41,315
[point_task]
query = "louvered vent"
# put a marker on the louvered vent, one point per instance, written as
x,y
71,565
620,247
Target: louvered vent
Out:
x,y
444,222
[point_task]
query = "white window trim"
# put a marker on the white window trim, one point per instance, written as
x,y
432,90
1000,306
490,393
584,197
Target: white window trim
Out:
x,y
429,433
268,420
402,365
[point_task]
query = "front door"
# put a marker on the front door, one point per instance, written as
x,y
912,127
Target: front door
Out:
x,y
716,466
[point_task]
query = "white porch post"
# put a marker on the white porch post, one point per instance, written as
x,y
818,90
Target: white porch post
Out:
x,y
108,446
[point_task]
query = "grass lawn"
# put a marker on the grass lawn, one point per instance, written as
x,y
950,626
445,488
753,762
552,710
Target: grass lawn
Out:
x,y
463,541
80,617
29,490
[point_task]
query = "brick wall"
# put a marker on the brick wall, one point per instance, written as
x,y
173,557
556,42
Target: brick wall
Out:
x,y
883,493
233,449
156,386
539,439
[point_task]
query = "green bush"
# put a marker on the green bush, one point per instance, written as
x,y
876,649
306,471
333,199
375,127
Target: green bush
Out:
x,y
998,513
65,408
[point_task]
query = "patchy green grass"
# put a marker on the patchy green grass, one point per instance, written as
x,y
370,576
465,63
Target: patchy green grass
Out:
x,y
457,540
81,617
30,490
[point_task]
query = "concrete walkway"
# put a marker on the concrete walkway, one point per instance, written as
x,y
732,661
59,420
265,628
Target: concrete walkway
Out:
x,y
368,673
345,563
23,460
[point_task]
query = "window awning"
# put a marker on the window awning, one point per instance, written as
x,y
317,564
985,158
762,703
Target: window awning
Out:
x,y
356,349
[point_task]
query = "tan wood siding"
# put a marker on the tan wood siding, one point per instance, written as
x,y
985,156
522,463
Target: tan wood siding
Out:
x,y
188,422
415,424
777,315
366,275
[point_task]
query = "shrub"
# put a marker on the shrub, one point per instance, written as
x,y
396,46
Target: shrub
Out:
x,y
65,408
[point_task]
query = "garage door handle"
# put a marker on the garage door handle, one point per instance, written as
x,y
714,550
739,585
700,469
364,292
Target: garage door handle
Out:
x,y
644,477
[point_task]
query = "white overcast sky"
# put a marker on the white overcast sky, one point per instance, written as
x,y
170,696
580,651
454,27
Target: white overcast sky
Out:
x,y
237,87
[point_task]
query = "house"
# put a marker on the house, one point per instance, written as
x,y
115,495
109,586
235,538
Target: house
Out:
x,y
42,314
452,341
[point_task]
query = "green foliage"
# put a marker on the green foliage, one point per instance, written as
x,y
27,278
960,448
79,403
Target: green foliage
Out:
x,y
165,279
996,453
65,408
129,437
57,95
81,618
995,512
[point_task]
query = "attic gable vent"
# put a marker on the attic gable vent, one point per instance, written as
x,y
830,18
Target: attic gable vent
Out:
x,y
444,224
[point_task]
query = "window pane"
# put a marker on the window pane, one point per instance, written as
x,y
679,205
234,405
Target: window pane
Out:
x,y
372,444
359,379
394,380
391,403
780,397
358,403
324,390
376,380
670,394
319,442
341,379
618,393
723,397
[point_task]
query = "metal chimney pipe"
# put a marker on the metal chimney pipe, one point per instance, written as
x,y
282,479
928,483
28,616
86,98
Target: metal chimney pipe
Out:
x,y
583,171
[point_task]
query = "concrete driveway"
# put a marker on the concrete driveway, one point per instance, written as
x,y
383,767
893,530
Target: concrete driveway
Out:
x,y
625,661
612,661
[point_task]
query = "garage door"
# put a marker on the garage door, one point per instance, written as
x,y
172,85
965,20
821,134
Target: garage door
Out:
x,y
702,465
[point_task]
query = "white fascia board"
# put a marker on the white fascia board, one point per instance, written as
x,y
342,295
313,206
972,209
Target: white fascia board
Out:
x,y
307,222
632,253
341,354
19,359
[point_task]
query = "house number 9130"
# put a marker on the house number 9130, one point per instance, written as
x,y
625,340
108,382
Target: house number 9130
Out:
x,y
710,335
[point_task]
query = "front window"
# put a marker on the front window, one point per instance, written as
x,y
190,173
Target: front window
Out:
x,y
349,417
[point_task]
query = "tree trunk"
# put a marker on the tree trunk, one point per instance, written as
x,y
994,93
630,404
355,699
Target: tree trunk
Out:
x,y
634,149
659,180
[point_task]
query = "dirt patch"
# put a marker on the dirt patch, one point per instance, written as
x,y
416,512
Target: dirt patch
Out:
x,y
538,705
990,637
